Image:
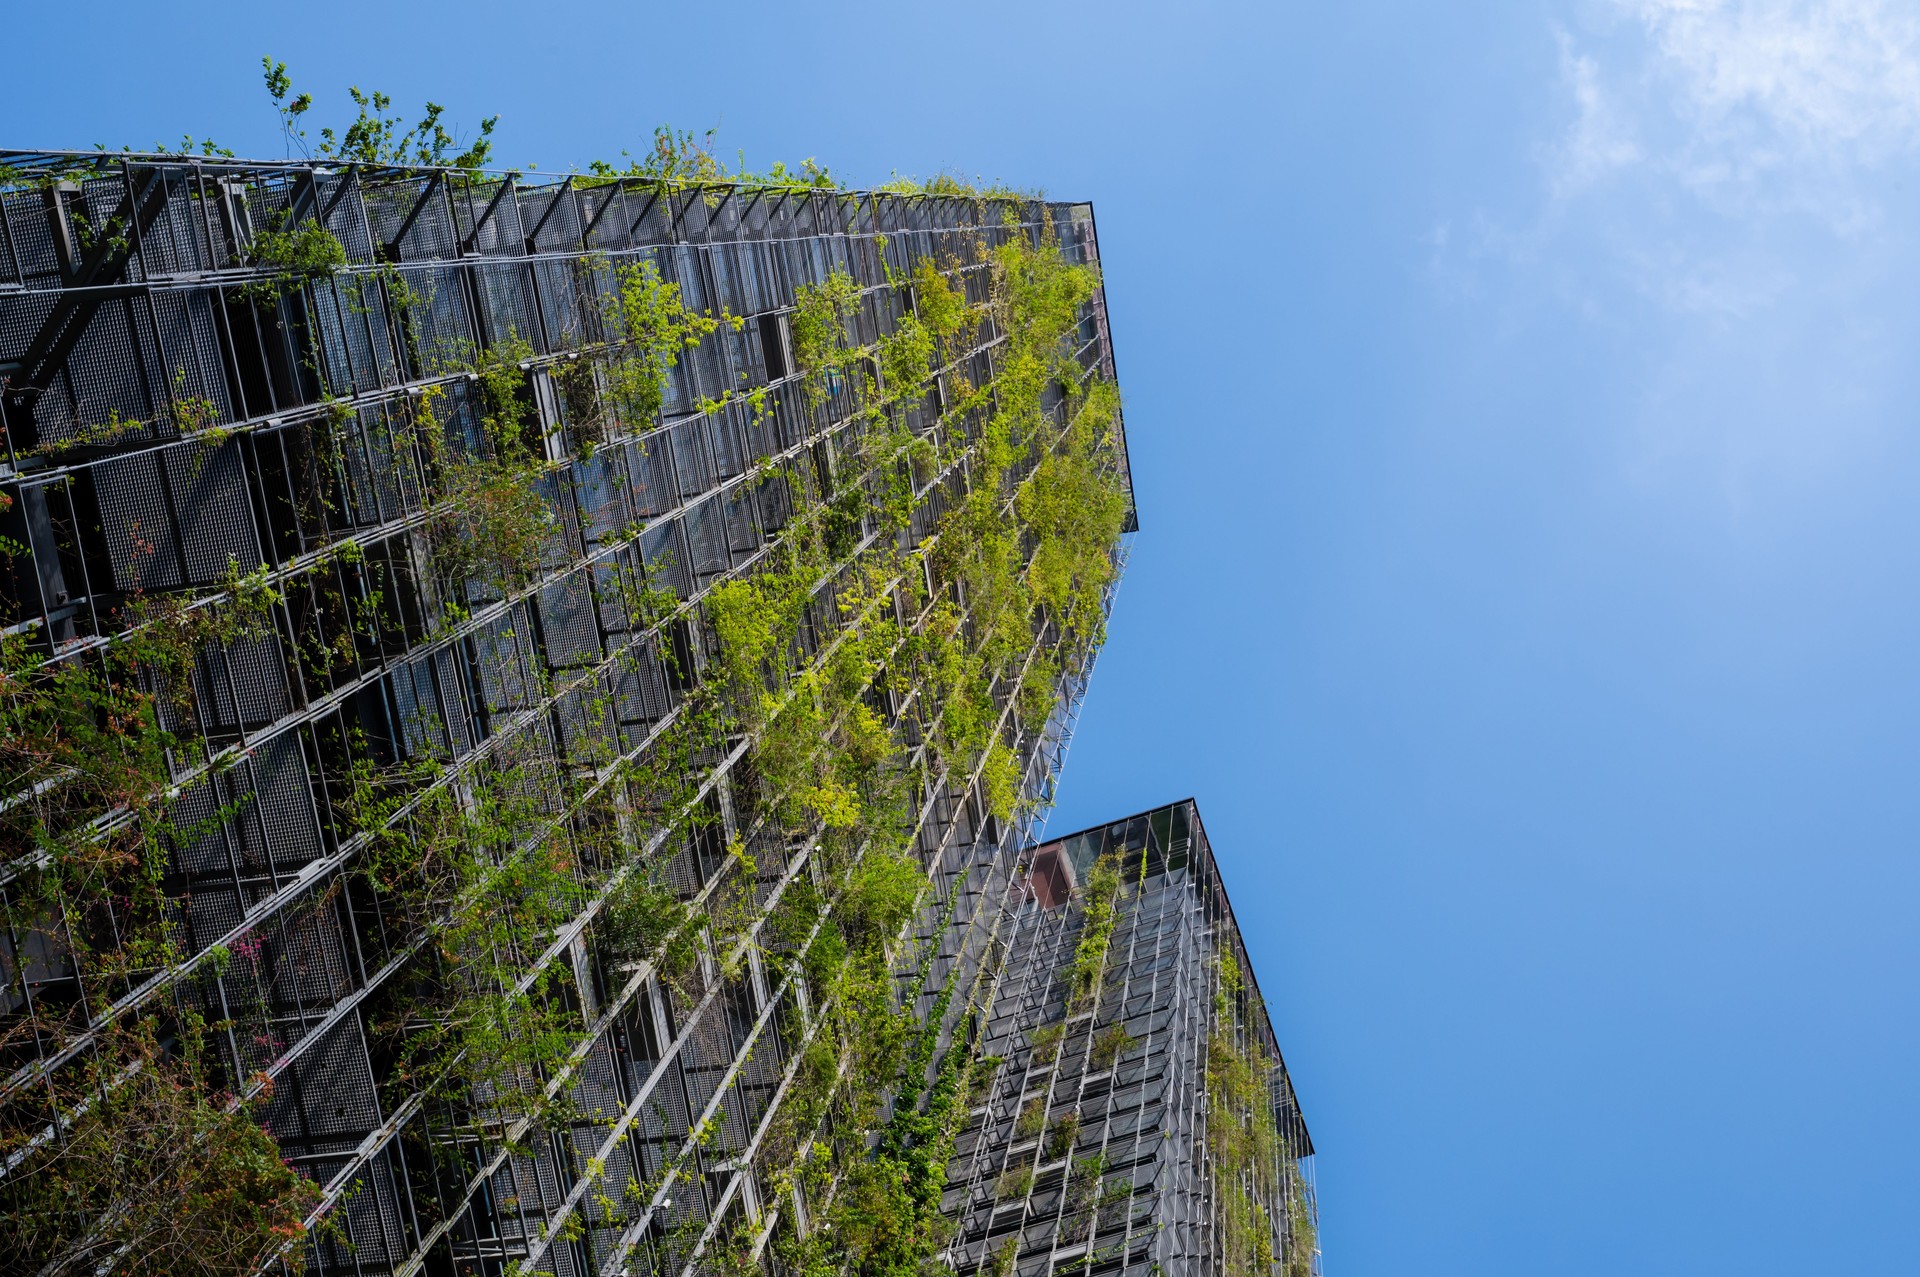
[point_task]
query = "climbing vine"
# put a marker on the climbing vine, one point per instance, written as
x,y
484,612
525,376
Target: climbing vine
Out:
x,y
822,741
151,1149
954,544
656,328
1098,920
1254,1172
293,254
151,1162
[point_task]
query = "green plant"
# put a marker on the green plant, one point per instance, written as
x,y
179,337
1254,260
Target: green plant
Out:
x,y
1096,930
1061,1133
677,157
880,896
641,917
374,137
150,1161
821,313
847,675
492,522
941,307
1045,1042
655,328
1037,693
1014,1183
1302,1239
1000,772
904,356
680,158
1242,1134
1083,1181
1113,1042
293,254
1076,508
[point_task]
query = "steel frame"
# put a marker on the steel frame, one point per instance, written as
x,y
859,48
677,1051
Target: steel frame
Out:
x,y
165,306
1144,1116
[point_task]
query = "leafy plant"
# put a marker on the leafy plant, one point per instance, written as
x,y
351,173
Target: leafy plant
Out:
x,y
1242,1133
1032,1119
294,254
1014,1183
655,329
1113,1042
1096,929
151,1162
1083,1181
374,136
641,917
1062,1132
821,313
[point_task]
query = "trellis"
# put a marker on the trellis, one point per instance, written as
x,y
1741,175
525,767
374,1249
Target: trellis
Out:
x,y
169,398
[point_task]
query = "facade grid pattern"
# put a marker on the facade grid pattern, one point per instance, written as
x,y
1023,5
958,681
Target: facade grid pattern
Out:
x,y
1090,1153
175,414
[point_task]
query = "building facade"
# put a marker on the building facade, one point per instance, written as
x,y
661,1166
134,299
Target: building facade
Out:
x,y
1143,1120
523,699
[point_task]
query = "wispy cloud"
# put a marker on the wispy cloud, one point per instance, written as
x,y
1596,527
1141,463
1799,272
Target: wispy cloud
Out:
x,y
1730,197
1747,104
1835,77
1598,141
1704,139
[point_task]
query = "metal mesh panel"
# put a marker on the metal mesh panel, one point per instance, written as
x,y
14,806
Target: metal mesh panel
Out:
x,y
442,320
31,234
216,523
1131,1185
376,669
569,313
414,218
568,625
707,538
506,302
552,217
488,217
145,551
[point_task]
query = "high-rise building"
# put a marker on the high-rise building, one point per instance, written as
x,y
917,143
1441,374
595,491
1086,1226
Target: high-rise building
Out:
x,y
1142,1119
520,702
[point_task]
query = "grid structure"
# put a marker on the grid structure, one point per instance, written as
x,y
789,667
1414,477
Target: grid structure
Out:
x,y
186,422
1092,1152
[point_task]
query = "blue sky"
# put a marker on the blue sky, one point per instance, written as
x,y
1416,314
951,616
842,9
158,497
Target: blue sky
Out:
x,y
1525,428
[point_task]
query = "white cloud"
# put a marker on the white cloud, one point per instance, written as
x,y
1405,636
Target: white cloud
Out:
x,y
1731,193
1745,110
1837,78
1749,103
1726,287
1598,142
